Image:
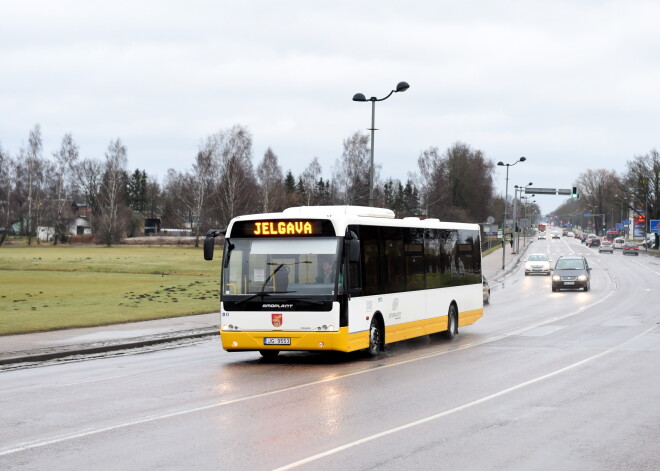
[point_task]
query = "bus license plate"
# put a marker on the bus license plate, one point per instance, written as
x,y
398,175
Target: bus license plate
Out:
x,y
277,341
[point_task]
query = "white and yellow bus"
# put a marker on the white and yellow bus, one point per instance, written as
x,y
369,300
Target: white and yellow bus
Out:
x,y
344,278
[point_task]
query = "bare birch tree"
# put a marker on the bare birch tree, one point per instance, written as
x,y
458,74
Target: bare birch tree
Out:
x,y
236,181
352,170
7,182
33,155
271,183
113,193
64,161
309,179
196,185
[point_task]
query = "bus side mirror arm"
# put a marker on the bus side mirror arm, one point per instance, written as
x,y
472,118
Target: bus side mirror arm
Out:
x,y
209,242
354,251
353,246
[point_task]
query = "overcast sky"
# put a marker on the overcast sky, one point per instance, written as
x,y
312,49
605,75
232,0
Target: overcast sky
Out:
x,y
570,85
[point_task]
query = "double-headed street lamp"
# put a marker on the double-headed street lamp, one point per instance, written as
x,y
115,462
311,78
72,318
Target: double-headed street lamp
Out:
x,y
506,197
401,87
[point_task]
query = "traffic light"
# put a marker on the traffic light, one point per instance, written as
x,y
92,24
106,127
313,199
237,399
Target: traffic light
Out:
x,y
574,193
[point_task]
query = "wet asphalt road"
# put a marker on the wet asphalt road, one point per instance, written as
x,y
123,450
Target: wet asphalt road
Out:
x,y
566,380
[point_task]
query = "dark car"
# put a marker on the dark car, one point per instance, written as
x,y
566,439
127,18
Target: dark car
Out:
x,y
593,242
630,248
571,272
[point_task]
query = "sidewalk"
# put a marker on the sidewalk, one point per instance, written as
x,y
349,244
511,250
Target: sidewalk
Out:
x,y
491,264
44,346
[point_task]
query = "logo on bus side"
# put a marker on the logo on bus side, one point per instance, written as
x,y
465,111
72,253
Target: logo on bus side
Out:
x,y
276,320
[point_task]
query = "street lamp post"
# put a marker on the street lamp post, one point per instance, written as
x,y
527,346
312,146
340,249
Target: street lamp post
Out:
x,y
506,197
526,204
401,87
517,189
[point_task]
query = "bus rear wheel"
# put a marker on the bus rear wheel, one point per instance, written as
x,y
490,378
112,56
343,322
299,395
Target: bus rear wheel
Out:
x,y
452,323
375,338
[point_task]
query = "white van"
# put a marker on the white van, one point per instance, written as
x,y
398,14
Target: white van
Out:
x,y
618,242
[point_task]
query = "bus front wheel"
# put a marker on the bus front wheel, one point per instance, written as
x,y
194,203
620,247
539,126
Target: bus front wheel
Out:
x,y
375,338
269,354
452,323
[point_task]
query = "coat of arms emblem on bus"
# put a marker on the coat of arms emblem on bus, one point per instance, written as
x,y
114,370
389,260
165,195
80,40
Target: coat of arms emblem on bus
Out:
x,y
277,320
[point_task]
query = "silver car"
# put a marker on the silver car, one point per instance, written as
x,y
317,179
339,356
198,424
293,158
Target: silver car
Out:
x,y
606,246
537,263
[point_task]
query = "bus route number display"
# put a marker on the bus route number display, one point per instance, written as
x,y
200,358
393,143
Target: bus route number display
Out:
x,y
283,228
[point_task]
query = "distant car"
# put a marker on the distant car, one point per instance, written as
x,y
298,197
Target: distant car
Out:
x,y
555,235
541,235
564,233
537,263
619,242
606,246
570,234
486,286
630,248
571,272
593,242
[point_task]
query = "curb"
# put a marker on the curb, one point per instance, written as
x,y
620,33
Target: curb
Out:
x,y
59,352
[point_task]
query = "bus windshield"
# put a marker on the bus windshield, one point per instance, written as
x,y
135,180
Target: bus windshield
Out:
x,y
281,267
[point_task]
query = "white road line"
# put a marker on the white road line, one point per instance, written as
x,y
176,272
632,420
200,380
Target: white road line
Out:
x,y
463,407
152,418
647,267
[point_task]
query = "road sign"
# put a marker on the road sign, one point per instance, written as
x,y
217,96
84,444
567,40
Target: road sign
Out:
x,y
619,226
586,215
654,226
540,191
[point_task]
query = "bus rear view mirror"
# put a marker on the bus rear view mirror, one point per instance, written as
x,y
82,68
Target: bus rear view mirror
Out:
x,y
209,245
209,242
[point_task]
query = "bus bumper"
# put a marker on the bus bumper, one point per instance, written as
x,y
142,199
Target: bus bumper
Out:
x,y
299,341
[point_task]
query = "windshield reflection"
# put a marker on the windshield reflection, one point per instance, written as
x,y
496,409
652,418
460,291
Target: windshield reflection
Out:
x,y
304,266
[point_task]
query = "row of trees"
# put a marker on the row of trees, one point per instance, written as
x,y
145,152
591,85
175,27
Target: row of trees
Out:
x,y
223,182
611,197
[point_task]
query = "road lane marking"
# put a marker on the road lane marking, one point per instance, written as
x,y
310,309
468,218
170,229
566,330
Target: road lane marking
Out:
x,y
152,418
461,408
647,267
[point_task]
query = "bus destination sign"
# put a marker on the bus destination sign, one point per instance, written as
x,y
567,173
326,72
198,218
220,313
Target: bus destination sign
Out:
x,y
283,228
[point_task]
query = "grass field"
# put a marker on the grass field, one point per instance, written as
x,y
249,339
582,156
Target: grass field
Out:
x,y
47,288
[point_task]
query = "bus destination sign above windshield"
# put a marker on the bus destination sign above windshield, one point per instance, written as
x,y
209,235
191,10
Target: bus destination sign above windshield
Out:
x,y
283,228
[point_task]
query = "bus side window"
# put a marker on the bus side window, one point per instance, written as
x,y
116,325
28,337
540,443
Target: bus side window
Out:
x,y
369,251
